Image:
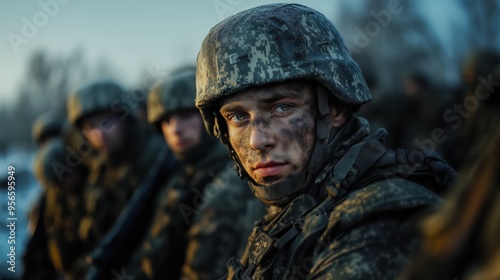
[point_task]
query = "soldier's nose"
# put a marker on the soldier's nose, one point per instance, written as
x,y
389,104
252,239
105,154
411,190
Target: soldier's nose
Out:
x,y
261,138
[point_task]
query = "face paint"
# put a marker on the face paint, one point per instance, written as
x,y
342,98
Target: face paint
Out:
x,y
272,130
182,131
106,132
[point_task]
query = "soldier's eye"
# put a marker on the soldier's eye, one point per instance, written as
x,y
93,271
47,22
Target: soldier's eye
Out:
x,y
283,108
237,118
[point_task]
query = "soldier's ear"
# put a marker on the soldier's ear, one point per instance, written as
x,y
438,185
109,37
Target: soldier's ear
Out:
x,y
337,118
339,112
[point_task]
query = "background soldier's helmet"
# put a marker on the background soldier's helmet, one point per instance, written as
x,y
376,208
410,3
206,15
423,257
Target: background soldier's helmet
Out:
x,y
50,162
96,98
174,94
47,125
271,44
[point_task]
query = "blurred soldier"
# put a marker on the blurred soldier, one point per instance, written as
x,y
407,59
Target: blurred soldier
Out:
x,y
202,211
277,85
480,76
46,127
64,206
462,238
126,152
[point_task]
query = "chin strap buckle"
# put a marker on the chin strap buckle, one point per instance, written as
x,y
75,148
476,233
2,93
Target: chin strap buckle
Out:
x,y
290,234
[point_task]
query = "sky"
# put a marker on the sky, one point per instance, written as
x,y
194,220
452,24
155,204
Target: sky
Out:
x,y
131,36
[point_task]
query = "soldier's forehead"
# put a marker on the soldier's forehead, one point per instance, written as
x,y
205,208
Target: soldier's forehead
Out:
x,y
271,93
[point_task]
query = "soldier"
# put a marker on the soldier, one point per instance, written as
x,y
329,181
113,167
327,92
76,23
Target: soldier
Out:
x,y
277,85
46,127
203,209
63,205
125,154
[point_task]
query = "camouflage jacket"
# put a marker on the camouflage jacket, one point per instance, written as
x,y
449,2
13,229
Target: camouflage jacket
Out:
x,y
221,226
110,186
37,260
107,191
63,213
60,210
199,221
355,222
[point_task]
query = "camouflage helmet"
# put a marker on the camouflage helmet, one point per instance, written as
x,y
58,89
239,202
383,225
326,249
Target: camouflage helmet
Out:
x,y
95,98
271,44
48,162
46,125
176,93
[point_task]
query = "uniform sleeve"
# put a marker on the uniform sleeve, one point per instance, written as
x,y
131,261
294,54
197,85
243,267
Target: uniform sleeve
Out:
x,y
161,252
219,230
376,250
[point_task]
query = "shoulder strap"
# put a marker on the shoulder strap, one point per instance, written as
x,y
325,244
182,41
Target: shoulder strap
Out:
x,y
422,166
370,161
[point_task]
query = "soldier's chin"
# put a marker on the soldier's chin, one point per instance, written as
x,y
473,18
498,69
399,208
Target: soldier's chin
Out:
x,y
270,180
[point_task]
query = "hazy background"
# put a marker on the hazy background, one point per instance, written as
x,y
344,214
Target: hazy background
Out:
x,y
49,48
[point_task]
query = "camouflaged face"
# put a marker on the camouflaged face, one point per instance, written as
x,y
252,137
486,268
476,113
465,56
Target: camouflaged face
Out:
x,y
176,93
98,97
275,43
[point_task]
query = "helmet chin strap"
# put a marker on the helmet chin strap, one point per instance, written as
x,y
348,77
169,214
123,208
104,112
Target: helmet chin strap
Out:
x,y
282,192
323,127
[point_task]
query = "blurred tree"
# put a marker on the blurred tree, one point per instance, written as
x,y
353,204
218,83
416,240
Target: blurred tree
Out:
x,y
395,37
48,80
398,37
394,40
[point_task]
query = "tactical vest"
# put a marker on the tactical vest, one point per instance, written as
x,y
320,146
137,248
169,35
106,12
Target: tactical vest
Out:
x,y
366,165
177,205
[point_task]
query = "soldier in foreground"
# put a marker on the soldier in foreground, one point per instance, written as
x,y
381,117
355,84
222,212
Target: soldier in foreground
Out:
x,y
277,85
202,211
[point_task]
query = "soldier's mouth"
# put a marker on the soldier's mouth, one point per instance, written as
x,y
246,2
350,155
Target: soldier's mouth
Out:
x,y
268,169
